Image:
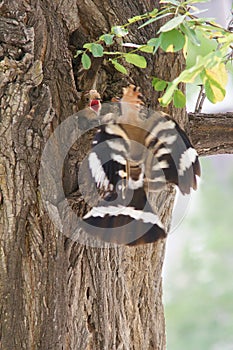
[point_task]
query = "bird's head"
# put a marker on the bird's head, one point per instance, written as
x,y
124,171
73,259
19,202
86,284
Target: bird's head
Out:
x,y
94,100
131,103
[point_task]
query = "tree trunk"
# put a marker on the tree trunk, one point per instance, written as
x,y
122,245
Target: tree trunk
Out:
x,y
57,293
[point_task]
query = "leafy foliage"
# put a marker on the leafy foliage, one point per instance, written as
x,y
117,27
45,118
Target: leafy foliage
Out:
x,y
86,61
182,30
119,67
172,41
137,60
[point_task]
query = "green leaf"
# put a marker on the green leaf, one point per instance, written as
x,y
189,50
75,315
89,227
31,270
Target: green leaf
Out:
x,y
179,99
88,46
136,60
229,67
215,80
152,41
190,33
97,50
172,41
151,20
194,50
78,52
86,61
107,38
135,19
153,12
119,67
155,42
173,23
189,75
167,97
119,31
159,84
197,11
146,48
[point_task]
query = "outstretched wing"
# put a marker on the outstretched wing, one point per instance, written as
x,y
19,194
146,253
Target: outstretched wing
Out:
x,y
107,159
124,215
126,220
175,160
125,156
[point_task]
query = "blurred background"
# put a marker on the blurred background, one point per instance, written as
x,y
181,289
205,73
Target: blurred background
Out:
x,y
198,270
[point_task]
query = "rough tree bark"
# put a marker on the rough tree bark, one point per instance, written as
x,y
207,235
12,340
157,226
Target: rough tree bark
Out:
x,y
55,293
212,134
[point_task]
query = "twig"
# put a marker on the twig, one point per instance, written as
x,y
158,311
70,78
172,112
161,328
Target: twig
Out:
x,y
200,100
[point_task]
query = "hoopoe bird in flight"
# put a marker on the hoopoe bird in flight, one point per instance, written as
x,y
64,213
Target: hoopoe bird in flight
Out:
x,y
130,157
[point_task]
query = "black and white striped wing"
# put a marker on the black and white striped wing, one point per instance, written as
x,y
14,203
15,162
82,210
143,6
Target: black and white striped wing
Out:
x,y
129,220
175,160
107,159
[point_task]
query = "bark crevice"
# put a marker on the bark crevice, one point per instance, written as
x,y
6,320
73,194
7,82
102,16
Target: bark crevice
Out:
x,y
212,133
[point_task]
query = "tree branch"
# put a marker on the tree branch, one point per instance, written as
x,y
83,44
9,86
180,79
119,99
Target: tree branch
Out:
x,y
212,134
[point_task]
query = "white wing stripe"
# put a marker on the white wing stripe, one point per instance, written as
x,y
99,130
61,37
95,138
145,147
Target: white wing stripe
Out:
x,y
186,160
146,217
118,158
163,164
114,129
97,171
162,151
161,126
135,184
116,146
169,139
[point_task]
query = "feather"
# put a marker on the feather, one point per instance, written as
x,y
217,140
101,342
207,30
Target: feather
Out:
x,y
132,155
